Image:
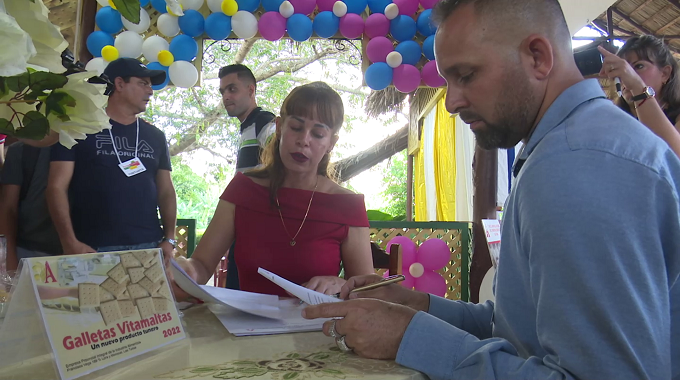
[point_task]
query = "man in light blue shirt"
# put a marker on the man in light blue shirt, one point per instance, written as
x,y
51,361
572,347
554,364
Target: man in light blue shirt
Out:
x,y
587,287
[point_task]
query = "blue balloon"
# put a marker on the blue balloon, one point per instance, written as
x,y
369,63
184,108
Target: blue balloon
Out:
x,y
192,23
249,5
410,52
159,5
183,48
158,66
425,25
326,24
378,6
271,5
378,76
108,20
356,6
97,40
144,3
428,48
403,28
218,26
299,27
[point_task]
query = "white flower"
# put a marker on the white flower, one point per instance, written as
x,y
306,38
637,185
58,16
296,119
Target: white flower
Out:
x,y
15,45
46,37
88,115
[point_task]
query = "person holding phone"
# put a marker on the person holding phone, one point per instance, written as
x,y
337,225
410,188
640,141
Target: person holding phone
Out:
x,y
650,85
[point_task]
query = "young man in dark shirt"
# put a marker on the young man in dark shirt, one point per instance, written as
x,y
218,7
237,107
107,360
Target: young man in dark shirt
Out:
x,y
104,194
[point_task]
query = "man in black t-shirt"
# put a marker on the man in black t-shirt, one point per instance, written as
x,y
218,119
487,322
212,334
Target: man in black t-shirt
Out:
x,y
104,194
238,87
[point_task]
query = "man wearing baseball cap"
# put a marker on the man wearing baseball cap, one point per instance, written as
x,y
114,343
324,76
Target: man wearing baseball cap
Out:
x,y
104,194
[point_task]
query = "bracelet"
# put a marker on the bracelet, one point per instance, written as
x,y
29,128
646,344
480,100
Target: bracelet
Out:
x,y
641,103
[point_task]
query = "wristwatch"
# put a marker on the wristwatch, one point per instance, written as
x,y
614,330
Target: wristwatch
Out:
x,y
648,92
173,242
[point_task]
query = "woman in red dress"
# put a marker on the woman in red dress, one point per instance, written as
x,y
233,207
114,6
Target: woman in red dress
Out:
x,y
289,216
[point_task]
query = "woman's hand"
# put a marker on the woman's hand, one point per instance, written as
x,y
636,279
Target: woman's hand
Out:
x,y
181,295
325,284
614,66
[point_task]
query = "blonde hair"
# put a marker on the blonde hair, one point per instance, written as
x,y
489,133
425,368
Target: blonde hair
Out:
x,y
314,100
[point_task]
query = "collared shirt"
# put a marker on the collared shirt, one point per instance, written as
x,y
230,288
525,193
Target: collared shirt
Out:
x,y
255,132
587,285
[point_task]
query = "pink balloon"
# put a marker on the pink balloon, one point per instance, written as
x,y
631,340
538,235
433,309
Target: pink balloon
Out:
x,y
272,26
406,79
409,282
351,25
378,48
407,7
377,25
434,254
305,7
325,5
408,250
431,76
428,4
431,282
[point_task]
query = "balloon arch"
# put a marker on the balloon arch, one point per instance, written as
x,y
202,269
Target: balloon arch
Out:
x,y
399,34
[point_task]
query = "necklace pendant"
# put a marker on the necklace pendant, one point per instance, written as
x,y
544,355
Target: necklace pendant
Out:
x,y
292,243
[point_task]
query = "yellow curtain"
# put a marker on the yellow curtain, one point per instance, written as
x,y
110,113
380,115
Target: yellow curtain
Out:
x,y
419,183
445,163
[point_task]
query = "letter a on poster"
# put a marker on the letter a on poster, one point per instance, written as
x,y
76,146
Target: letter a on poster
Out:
x,y
89,311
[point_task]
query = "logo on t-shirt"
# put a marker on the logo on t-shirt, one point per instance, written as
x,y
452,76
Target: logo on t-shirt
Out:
x,y
126,148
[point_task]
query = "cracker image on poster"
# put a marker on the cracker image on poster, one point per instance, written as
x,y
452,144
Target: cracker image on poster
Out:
x,y
103,308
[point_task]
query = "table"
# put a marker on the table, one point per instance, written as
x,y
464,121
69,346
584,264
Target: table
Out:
x,y
212,353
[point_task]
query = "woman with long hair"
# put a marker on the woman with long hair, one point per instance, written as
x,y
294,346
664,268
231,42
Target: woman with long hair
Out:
x,y
289,216
650,85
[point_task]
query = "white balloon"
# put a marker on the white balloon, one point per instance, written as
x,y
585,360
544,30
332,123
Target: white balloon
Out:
x,y
183,74
244,24
394,59
286,9
103,3
97,65
215,5
191,4
416,270
168,25
392,11
339,8
129,44
143,25
152,46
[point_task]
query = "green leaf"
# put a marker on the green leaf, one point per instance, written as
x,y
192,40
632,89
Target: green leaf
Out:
x,y
35,127
128,9
3,87
57,101
293,355
19,82
42,80
290,375
333,371
378,215
5,127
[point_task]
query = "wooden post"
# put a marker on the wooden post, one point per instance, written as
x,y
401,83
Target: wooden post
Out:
x,y
485,179
85,28
409,188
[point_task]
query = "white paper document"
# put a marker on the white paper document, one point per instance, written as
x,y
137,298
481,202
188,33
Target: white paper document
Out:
x,y
242,324
263,305
308,296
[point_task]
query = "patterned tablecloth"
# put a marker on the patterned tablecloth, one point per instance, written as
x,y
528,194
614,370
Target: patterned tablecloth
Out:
x,y
212,353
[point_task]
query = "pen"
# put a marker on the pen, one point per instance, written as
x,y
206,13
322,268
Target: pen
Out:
x,y
387,281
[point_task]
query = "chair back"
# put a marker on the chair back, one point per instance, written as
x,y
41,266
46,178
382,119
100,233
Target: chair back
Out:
x,y
383,260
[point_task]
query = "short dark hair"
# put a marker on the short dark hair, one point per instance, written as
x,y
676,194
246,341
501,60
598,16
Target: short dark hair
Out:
x,y
242,71
545,15
111,87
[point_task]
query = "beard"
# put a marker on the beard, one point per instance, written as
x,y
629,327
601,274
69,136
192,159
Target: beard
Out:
x,y
512,112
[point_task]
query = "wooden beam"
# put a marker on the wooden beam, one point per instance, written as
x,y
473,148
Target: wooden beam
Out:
x,y
85,28
641,6
409,188
661,30
610,24
632,22
485,178
676,3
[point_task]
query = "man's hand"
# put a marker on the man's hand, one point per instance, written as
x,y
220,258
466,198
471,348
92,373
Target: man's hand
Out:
x,y
325,284
394,293
77,247
168,252
372,328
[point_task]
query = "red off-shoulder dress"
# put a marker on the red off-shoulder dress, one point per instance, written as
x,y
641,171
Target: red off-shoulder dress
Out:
x,y
261,240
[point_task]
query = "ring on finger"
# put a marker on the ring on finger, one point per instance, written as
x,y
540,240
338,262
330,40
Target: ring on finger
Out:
x,y
332,331
342,345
